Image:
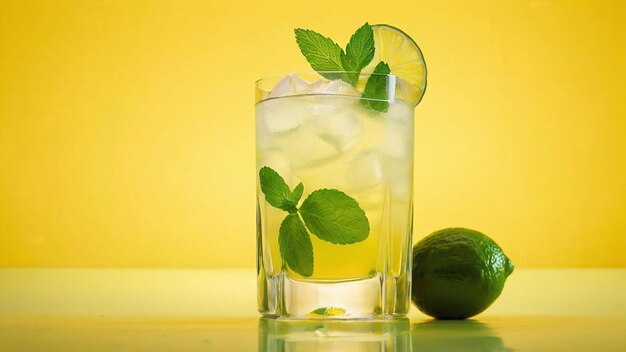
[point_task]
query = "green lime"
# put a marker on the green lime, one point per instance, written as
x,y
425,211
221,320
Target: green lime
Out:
x,y
403,56
457,273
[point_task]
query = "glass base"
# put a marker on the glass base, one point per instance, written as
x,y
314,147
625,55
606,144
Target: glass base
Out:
x,y
332,335
377,297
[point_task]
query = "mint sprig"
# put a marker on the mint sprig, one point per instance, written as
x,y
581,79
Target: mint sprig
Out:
x,y
329,214
321,52
277,192
295,245
376,88
359,53
335,217
325,55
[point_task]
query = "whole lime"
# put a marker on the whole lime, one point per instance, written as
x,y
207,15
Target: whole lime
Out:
x,y
457,273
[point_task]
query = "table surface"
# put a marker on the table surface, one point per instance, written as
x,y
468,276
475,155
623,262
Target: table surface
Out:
x,y
215,310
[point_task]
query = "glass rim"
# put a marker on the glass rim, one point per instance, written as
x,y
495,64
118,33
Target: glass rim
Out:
x,y
320,73
397,87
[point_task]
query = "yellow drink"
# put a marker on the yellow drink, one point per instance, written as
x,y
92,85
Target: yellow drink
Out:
x,y
332,141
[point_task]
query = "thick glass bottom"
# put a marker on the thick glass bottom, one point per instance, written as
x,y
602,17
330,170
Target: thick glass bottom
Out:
x,y
376,297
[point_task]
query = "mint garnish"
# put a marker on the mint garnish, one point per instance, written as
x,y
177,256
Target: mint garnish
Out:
x,y
376,88
321,52
325,55
328,311
329,214
359,53
277,192
335,217
297,193
295,245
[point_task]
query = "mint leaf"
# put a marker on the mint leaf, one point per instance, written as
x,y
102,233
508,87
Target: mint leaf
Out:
x,y
335,217
376,88
319,311
331,311
330,214
297,193
295,245
359,53
321,52
277,192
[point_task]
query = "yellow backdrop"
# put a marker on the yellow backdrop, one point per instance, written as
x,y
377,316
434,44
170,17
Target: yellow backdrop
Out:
x,y
127,127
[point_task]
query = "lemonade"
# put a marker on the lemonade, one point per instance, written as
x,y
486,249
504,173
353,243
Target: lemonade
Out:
x,y
335,186
332,141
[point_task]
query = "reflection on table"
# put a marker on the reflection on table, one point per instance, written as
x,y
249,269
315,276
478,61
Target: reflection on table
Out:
x,y
185,310
455,335
386,335
329,336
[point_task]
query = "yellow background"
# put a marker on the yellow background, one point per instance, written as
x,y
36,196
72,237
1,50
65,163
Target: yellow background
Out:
x,y
127,127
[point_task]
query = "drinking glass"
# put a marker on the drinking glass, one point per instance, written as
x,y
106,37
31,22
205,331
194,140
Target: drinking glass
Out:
x,y
353,157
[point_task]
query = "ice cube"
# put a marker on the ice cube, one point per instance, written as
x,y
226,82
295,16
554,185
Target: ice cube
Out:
x,y
341,129
290,85
279,115
326,104
264,140
399,174
309,150
365,170
400,112
399,131
323,86
397,142
277,160
371,198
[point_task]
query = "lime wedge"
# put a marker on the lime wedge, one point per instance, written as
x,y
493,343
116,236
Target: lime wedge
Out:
x,y
403,56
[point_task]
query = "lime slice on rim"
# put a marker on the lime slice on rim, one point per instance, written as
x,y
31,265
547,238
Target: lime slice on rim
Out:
x,y
403,56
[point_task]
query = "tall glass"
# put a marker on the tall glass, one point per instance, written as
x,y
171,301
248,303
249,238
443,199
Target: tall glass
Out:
x,y
322,133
